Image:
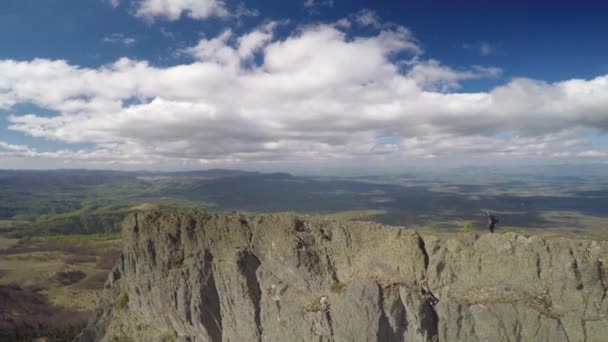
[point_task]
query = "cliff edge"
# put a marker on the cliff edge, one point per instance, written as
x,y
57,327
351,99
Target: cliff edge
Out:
x,y
231,277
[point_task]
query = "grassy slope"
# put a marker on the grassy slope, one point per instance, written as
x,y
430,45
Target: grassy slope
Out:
x,y
37,263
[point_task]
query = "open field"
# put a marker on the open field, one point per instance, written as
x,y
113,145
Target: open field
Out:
x,y
7,242
60,230
61,276
95,202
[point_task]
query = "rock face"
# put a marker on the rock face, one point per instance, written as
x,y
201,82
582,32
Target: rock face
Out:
x,y
215,277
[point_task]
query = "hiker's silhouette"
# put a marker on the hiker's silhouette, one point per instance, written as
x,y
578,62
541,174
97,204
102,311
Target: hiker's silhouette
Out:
x,y
492,221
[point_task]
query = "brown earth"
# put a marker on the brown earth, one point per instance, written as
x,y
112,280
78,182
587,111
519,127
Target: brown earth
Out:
x,y
26,314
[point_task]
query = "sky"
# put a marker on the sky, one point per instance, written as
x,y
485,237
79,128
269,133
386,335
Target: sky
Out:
x,y
301,85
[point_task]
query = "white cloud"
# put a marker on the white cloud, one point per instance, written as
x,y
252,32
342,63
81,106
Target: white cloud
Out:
x,y
252,42
316,95
216,50
367,18
343,23
166,33
431,74
318,3
174,9
6,147
364,18
113,3
243,11
119,38
593,154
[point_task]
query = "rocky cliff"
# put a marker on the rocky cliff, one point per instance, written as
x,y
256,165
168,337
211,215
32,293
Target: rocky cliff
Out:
x,y
215,277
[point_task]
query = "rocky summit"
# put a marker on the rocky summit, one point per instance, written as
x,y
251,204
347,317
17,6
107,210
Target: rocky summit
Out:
x,y
232,277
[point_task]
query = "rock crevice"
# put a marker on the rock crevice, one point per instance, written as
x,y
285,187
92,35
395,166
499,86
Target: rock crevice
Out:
x,y
231,277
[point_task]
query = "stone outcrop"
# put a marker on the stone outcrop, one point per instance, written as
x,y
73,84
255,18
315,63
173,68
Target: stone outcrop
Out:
x,y
231,277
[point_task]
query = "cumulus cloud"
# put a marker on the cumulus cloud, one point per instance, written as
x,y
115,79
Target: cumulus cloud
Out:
x,y
367,18
119,38
6,147
318,94
593,154
113,3
364,18
433,75
242,10
173,9
22,155
166,33
252,42
318,3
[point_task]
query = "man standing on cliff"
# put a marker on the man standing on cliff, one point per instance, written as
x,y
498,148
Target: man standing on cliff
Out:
x,y
492,220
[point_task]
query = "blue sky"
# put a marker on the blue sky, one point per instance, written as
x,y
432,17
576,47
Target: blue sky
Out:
x,y
548,40
325,82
